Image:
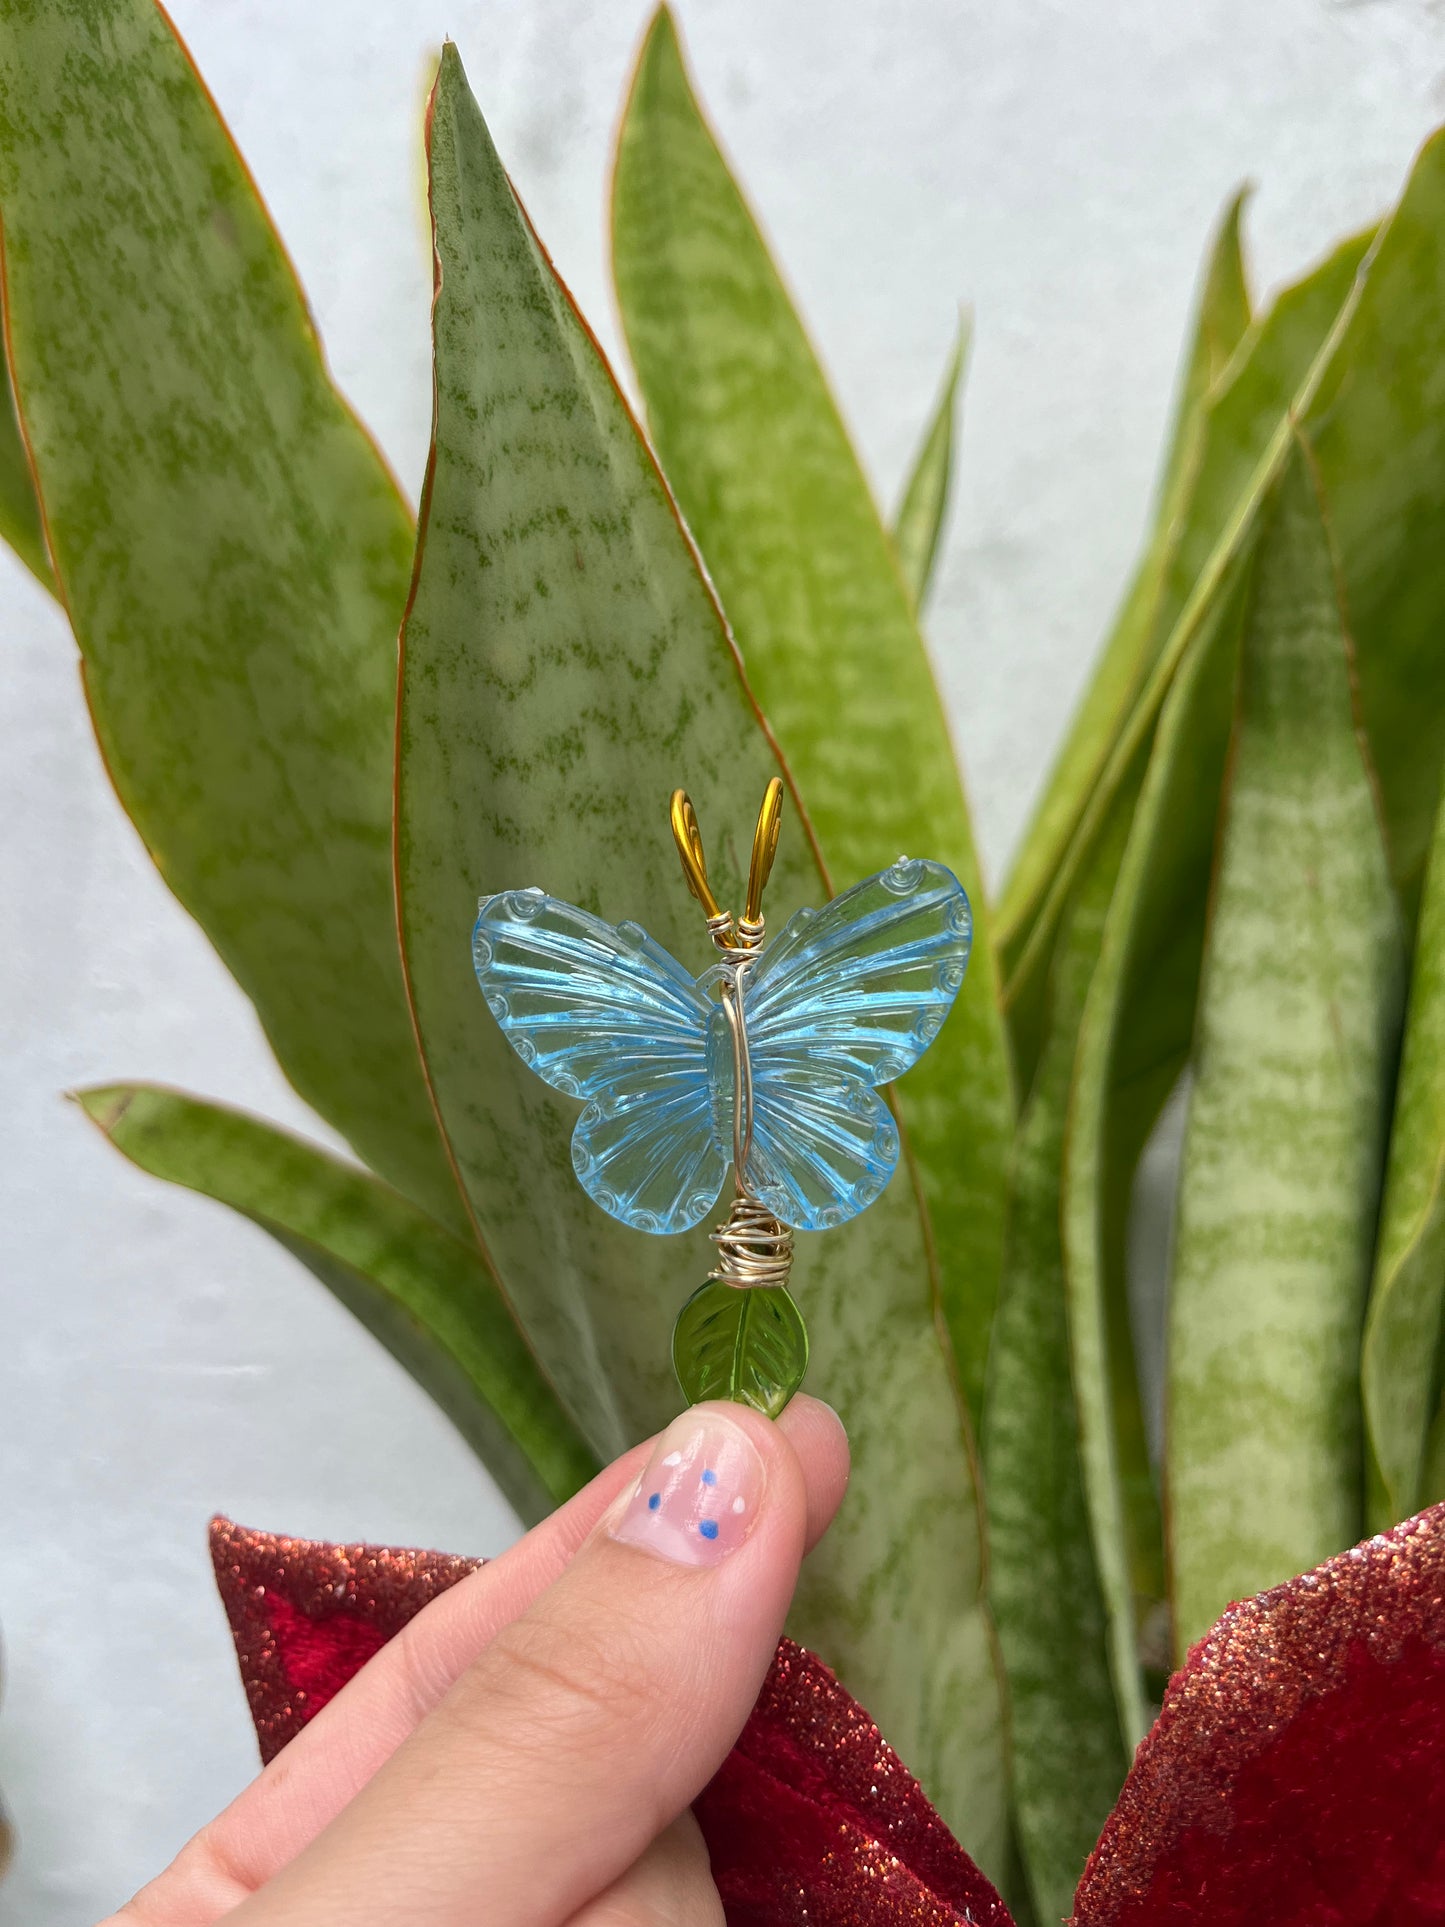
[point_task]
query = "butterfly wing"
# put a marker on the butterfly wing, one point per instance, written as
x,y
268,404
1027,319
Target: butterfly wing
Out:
x,y
847,998
603,1013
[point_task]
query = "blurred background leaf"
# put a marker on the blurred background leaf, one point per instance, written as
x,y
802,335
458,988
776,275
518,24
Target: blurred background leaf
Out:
x,y
918,525
1217,452
423,1292
229,545
753,445
1222,318
1402,1347
1134,1041
1297,1031
563,667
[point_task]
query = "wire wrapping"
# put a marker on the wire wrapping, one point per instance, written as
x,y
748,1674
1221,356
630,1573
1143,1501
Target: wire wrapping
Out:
x,y
754,1247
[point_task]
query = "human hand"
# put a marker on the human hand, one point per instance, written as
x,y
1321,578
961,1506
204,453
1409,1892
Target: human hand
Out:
x,y
525,1751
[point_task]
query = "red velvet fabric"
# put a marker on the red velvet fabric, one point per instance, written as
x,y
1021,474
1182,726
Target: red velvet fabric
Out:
x,y
813,1820
1295,1778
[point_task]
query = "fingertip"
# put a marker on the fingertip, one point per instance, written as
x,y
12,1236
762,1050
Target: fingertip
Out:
x,y
805,1451
819,1441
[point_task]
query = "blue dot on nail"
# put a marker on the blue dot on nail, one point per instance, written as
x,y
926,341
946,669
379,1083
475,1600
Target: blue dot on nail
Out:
x,y
654,1502
709,1478
708,1528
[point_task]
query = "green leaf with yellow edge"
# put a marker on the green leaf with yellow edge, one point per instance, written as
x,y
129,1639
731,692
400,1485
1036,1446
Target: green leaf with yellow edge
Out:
x,y
1295,1049
1400,1364
229,544
564,666
1236,429
919,522
755,450
418,1289
20,524
1222,318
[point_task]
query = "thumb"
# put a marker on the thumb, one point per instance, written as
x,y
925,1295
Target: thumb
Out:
x,y
590,1722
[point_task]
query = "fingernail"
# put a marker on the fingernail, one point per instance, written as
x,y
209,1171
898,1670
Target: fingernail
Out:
x,y
700,1494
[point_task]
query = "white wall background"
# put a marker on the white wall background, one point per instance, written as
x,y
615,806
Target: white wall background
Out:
x,y
1057,163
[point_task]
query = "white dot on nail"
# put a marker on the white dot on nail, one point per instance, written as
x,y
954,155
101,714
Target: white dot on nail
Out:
x,y
740,1505
673,1458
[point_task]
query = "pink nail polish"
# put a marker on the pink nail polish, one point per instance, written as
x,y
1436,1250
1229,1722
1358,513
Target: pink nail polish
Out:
x,y
700,1494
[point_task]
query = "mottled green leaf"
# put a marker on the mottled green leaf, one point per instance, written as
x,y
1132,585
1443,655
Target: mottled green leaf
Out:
x,y
1221,320
1237,429
1247,438
563,668
1376,426
421,1291
229,545
919,522
1432,1477
1067,1750
1294,1053
747,1345
1133,1042
1401,1358
19,509
761,463
1080,1348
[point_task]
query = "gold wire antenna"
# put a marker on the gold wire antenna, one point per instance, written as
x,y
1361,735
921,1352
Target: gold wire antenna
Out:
x,y
688,838
765,848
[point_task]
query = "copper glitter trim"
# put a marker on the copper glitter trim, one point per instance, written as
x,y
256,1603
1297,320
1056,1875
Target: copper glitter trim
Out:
x,y
1246,1681
378,1588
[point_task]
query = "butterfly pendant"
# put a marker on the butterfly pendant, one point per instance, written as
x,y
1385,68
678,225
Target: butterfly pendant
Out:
x,y
769,1062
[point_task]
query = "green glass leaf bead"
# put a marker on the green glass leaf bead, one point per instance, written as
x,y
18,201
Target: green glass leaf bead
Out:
x,y
748,1344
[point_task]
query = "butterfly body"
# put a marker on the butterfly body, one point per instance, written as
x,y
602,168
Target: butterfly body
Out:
x,y
842,1001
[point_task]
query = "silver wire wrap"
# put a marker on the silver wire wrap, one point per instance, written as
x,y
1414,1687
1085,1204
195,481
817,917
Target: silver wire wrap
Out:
x,y
754,1247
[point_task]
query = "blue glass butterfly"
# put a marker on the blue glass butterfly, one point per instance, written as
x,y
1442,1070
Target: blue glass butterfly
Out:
x,y
846,999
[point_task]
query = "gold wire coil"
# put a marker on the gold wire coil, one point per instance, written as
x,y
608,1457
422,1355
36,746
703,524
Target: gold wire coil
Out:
x,y
754,1247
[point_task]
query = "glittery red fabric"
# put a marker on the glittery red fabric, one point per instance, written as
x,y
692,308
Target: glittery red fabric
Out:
x,y
813,1820
1296,1776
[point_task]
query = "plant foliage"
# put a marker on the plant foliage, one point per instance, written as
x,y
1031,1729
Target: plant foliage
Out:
x,y
1234,881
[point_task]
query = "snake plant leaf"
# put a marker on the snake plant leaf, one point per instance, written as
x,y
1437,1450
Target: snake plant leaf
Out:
x,y
1133,1042
1222,318
755,450
229,545
1313,328
1296,1038
564,667
750,1346
1238,431
1070,1643
919,522
1075,1165
421,1291
1067,1748
1371,406
19,509
1376,427
1432,1473
1400,1366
